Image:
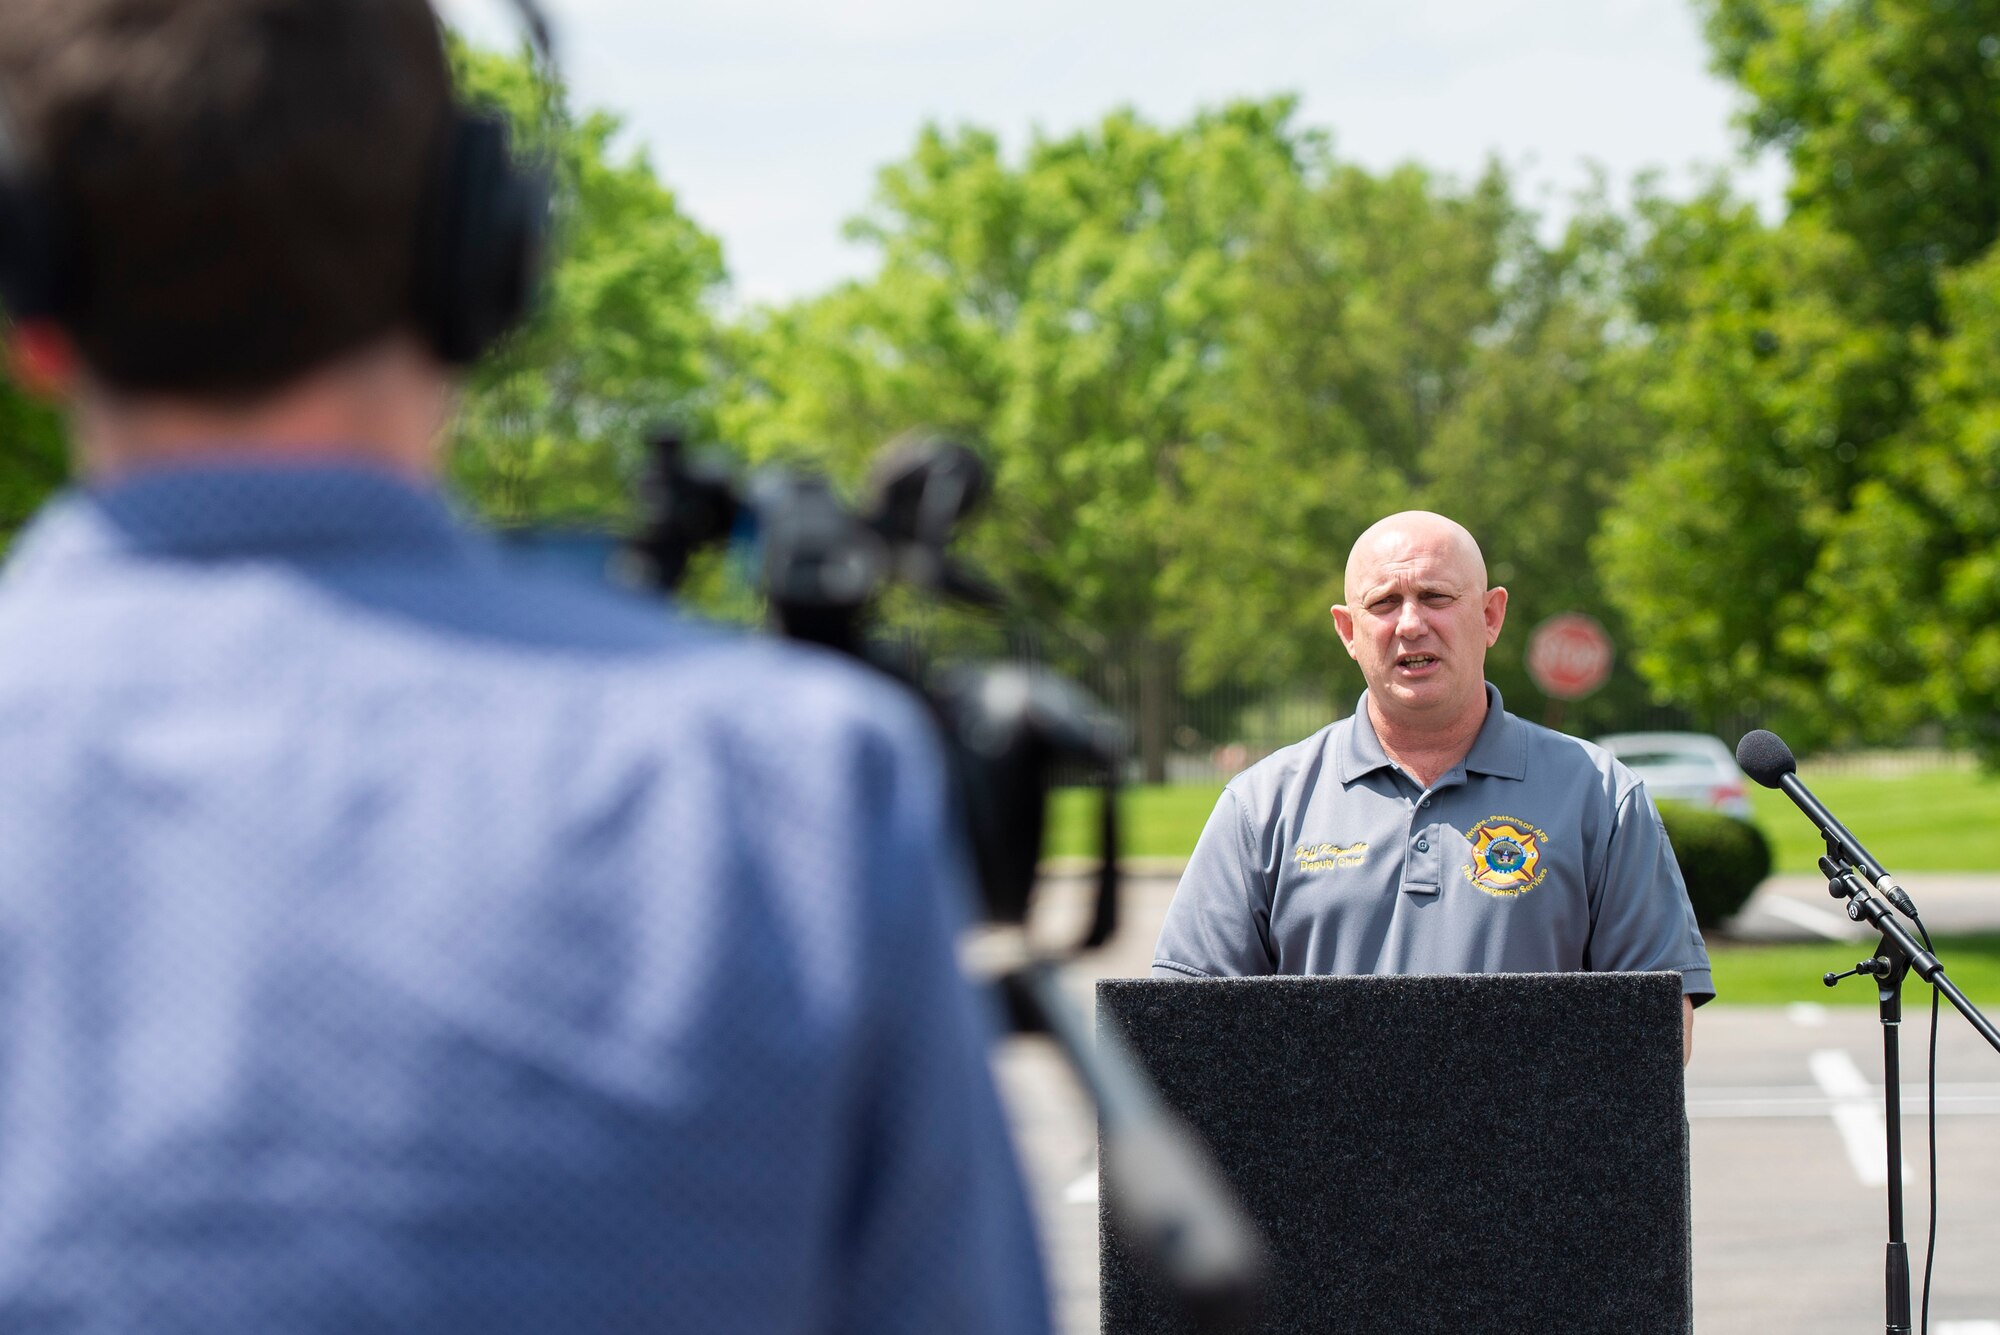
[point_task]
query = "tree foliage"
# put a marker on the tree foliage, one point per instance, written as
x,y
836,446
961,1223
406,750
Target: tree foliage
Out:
x,y
1204,357
1917,560
552,423
1887,111
1773,398
34,460
1070,312
1551,424
1810,540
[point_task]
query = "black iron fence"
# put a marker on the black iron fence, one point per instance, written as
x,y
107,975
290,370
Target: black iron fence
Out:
x,y
1186,736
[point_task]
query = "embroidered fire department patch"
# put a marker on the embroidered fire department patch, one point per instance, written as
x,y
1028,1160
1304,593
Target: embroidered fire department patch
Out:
x,y
1506,856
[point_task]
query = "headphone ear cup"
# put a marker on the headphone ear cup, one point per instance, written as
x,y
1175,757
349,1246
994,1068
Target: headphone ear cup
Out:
x,y
483,242
31,263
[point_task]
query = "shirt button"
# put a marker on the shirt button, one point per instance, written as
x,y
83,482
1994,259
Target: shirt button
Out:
x,y
1423,845
1423,801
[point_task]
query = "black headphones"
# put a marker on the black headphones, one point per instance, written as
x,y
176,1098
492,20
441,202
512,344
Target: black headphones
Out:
x,y
481,243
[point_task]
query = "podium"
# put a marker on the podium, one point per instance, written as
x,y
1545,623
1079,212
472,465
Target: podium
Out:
x,y
1495,1153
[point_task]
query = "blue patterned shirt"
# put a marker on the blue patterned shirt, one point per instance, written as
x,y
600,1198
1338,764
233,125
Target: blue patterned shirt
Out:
x,y
393,940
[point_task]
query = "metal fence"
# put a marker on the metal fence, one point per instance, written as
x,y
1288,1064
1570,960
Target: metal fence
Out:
x,y
1181,736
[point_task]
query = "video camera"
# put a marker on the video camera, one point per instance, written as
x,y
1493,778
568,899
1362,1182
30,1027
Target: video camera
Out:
x,y
1009,730
822,567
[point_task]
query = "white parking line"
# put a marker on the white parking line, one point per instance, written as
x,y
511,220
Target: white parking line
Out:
x,y
1806,1014
1833,926
1855,1115
1726,1101
1968,1328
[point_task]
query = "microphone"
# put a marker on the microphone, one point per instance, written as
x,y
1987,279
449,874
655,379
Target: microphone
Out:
x,y
1765,758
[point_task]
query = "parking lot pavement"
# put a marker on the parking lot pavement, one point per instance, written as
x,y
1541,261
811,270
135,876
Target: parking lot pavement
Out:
x,y
1798,908
1786,1136
1789,1157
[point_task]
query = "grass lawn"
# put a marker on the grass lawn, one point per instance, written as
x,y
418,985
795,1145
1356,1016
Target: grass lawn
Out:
x,y
1160,821
1936,822
1940,821
1771,975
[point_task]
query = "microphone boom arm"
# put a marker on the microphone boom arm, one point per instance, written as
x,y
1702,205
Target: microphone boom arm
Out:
x,y
1839,839
1927,966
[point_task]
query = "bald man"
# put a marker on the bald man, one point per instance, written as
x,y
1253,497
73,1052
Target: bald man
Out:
x,y
1432,831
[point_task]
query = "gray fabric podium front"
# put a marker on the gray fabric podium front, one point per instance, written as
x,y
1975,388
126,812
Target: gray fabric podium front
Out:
x,y
1498,1153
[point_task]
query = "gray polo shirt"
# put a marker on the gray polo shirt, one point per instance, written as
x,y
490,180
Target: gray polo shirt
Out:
x,y
1538,854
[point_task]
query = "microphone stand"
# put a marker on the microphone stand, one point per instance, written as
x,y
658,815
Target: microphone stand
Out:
x,y
1896,955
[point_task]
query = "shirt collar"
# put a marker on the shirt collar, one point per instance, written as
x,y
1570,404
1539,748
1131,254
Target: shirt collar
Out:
x,y
1500,750
216,511
1360,751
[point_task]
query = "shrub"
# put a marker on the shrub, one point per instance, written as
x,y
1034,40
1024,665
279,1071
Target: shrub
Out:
x,y
1722,859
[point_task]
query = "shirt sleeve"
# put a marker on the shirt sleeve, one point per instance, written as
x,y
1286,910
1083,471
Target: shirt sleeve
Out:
x,y
939,1234
1219,923
1640,915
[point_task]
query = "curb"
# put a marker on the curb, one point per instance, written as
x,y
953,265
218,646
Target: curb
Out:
x,y
1131,866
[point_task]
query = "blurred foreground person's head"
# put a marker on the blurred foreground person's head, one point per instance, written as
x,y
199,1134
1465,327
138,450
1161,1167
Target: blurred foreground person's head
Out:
x,y
231,198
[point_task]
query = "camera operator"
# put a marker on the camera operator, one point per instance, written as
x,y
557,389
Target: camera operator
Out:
x,y
390,939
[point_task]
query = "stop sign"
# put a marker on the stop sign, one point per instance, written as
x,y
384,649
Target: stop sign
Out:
x,y
1569,656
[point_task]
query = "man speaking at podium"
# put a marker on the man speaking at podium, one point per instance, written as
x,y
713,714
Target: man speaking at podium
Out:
x,y
1432,832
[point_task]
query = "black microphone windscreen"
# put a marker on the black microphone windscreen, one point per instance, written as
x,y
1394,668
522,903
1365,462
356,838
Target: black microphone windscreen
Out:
x,y
1765,757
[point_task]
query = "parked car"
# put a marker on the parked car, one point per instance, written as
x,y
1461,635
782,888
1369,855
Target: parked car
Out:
x,y
1686,767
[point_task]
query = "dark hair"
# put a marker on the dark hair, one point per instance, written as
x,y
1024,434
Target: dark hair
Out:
x,y
238,183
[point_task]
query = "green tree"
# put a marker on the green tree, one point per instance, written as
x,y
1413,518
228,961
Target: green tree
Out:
x,y
1407,342
1770,555
1356,333
1774,398
1204,357
1070,312
34,461
1914,580
1551,423
1889,114
553,421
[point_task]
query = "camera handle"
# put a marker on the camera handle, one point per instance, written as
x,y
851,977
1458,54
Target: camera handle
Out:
x,y
1175,1205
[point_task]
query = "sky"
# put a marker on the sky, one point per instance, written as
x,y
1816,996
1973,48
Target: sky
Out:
x,y
770,118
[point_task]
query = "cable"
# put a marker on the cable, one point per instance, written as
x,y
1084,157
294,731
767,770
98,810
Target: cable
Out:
x,y
1930,1111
